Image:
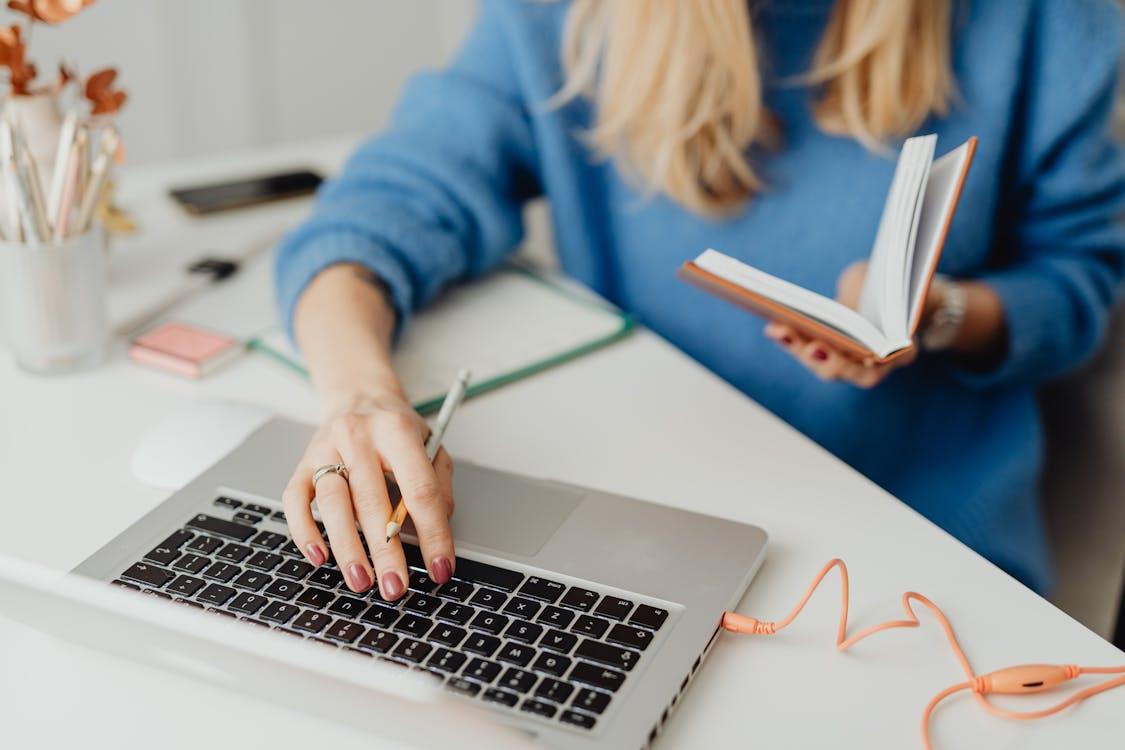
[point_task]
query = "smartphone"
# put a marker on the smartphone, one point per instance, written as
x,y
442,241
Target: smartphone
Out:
x,y
251,191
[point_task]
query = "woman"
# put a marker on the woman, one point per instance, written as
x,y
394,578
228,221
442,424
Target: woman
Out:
x,y
659,127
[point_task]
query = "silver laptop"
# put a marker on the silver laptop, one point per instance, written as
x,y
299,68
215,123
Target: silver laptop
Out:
x,y
575,616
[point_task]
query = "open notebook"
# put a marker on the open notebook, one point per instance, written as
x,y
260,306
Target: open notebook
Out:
x,y
912,230
503,327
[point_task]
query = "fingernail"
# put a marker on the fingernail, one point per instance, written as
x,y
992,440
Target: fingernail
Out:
x,y
391,585
316,556
359,579
787,340
443,571
820,355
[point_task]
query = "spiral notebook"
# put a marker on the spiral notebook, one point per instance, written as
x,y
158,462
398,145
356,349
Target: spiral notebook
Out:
x,y
504,327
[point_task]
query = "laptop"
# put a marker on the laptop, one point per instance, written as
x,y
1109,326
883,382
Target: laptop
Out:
x,y
575,617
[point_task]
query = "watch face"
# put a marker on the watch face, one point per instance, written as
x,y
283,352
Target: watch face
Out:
x,y
945,322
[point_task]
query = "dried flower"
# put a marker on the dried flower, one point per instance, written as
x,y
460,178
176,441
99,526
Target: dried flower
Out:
x,y
100,92
48,11
13,52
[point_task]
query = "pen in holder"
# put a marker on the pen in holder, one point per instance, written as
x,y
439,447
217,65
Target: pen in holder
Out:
x,y
54,301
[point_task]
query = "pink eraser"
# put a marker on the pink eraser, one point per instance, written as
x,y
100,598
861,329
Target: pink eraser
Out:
x,y
184,349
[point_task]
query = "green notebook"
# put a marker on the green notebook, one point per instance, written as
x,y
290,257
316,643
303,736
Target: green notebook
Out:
x,y
504,327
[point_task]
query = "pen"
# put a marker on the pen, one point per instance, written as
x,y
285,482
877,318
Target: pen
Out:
x,y
433,445
27,172
92,191
7,156
57,186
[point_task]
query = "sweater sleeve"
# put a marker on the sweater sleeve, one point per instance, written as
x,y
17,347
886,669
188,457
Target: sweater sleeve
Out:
x,y
438,195
1061,236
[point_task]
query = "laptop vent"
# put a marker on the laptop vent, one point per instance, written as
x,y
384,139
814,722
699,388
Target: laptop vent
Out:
x,y
659,726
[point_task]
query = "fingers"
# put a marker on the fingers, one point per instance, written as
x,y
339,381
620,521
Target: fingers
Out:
x,y
428,498
825,361
334,501
297,501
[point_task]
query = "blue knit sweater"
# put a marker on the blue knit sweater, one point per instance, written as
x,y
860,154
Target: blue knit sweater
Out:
x,y
438,196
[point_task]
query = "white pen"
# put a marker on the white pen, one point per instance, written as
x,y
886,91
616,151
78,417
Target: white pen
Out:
x,y
433,445
62,166
27,172
7,156
92,192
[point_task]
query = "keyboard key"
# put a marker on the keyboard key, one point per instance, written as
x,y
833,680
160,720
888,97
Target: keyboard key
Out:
x,y
613,607
552,664
344,631
556,616
234,553
556,640
599,677
649,617
518,680
261,510
458,613
311,622
541,588
421,604
283,589
278,515
125,585
458,590
227,502
219,527
250,518
315,598
222,612
279,612
324,641
181,600
538,707
514,653
266,561
488,599
637,638
295,569
489,621
190,563
251,580
221,571
287,631
379,641
447,661
474,571
347,606
252,621
421,582
482,670
447,635
591,700
186,586
216,595
150,575
248,603
379,615
329,578
414,625
578,719
525,632
290,549
154,592
463,686
520,607
603,653
581,599
162,555
412,650
494,695
479,643
554,690
590,626
204,545
268,540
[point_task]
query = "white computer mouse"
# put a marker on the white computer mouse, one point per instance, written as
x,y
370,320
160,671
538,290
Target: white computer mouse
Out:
x,y
179,448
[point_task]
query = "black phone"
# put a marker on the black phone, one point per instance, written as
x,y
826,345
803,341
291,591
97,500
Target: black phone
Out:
x,y
251,191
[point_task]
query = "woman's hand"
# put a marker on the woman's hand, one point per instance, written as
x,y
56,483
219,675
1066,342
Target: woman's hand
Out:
x,y
373,437
826,361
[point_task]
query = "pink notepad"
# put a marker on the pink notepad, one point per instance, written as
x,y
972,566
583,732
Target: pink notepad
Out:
x,y
184,349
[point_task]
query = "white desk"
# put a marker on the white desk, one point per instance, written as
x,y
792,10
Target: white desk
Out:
x,y
666,430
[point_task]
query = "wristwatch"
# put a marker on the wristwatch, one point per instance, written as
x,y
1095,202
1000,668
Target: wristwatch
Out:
x,y
945,322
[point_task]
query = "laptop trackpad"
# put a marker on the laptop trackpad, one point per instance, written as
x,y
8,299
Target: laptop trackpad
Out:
x,y
506,512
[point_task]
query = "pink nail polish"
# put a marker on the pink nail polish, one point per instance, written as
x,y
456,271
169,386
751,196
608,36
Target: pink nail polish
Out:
x,y
392,586
359,579
442,570
820,355
316,556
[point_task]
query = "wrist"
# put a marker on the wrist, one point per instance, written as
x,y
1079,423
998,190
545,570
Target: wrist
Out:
x,y
944,318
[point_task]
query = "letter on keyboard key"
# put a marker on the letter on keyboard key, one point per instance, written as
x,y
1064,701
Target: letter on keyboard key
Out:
x,y
622,658
379,641
483,670
248,603
541,588
283,589
599,677
414,625
251,580
552,664
218,526
517,679
458,613
556,640
479,643
447,635
279,612
518,606
315,598
447,661
488,599
150,575
457,590
421,604
379,615
490,622
295,569
538,707
514,653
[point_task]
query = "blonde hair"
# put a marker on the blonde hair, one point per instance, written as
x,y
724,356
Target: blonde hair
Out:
x,y
678,89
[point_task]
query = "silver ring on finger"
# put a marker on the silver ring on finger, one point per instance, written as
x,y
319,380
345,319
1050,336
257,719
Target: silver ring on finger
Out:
x,y
338,469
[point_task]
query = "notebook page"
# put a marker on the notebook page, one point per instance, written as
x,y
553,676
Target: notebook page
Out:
x,y
937,205
897,309
495,326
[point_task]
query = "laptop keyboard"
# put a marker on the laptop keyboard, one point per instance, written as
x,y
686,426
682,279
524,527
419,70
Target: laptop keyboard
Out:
x,y
520,642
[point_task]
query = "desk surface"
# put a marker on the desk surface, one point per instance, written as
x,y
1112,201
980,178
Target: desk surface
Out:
x,y
668,431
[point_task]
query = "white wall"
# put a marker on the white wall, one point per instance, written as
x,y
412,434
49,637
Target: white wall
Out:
x,y
215,75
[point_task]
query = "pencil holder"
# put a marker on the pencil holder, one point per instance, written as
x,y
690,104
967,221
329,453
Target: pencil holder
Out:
x,y
54,302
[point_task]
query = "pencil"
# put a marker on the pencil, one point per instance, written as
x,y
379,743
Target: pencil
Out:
x,y
433,445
